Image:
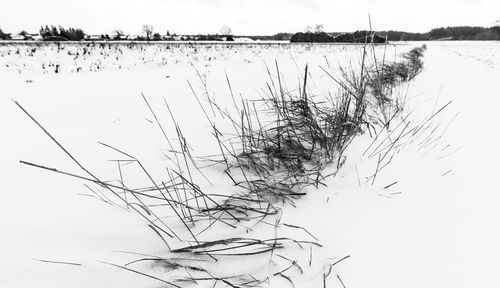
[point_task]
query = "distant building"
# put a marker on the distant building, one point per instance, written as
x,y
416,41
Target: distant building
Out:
x,y
36,37
17,37
243,39
93,37
25,36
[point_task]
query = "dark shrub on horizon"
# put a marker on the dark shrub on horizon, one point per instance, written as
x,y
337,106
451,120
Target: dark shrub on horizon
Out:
x,y
207,38
61,32
456,33
359,37
322,37
404,36
461,33
368,37
311,37
487,35
4,36
157,37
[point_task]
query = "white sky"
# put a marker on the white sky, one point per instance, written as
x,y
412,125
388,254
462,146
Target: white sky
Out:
x,y
263,17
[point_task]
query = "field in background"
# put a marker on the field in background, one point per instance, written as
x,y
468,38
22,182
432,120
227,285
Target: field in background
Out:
x,y
77,57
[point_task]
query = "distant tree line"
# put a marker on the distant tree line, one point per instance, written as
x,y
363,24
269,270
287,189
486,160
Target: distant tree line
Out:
x,y
275,37
447,33
312,37
444,33
311,34
323,37
53,33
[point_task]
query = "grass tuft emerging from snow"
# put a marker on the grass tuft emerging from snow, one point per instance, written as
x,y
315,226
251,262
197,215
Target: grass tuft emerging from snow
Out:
x,y
275,150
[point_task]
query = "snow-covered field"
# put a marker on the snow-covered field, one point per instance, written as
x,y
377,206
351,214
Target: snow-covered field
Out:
x,y
436,227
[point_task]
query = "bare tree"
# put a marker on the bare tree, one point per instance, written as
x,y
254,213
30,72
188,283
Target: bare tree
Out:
x,y
225,30
118,34
309,29
148,30
319,28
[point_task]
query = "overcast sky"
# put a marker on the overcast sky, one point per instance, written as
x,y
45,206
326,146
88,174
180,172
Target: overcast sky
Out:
x,y
245,16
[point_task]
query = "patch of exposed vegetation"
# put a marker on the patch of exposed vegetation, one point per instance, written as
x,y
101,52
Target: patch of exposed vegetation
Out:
x,y
281,145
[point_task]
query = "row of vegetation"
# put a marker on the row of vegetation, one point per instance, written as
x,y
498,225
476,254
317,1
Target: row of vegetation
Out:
x,y
355,37
61,34
448,33
282,146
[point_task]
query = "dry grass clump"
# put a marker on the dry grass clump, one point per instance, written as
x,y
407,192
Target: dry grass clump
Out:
x,y
388,75
281,145
297,138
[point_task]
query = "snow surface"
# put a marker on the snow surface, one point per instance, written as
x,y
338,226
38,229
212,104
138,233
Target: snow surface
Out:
x,y
428,230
